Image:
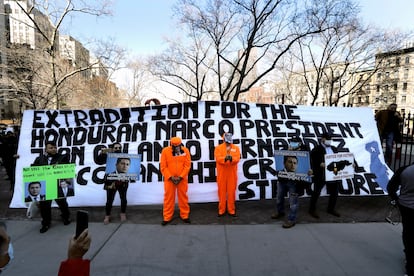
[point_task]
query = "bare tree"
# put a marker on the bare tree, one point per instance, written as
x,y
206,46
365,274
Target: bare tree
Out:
x,y
244,34
46,18
338,62
185,68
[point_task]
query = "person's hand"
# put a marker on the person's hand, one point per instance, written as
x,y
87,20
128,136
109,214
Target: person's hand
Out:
x,y
323,165
78,247
228,158
310,172
107,150
4,246
176,179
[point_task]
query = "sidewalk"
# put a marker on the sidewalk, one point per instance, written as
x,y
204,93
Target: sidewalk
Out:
x,y
357,243
143,249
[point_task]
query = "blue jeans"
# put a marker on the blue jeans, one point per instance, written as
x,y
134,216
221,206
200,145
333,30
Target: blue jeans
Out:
x,y
389,143
283,187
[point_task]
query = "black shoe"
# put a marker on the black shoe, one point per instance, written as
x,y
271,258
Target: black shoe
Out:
x,y
44,228
66,221
334,213
278,215
220,215
165,222
314,214
233,215
187,220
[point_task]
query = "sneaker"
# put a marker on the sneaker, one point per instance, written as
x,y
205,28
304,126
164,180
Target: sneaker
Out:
x,y
66,221
334,213
220,215
314,214
233,215
278,215
44,229
107,219
288,224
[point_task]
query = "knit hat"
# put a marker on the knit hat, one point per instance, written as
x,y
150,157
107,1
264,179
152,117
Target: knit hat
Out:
x,y
175,141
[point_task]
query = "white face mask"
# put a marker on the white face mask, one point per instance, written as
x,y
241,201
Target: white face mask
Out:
x,y
328,143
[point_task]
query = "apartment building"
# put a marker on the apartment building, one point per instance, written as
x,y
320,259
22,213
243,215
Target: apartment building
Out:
x,y
73,51
391,80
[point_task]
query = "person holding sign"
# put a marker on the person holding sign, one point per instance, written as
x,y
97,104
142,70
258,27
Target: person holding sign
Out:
x,y
175,165
51,157
288,183
227,157
116,184
318,165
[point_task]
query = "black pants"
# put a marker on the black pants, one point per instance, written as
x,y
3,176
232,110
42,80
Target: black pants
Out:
x,y
331,188
46,210
110,196
407,218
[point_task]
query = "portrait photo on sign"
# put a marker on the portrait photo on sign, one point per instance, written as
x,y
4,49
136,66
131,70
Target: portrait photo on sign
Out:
x,y
35,191
65,187
339,166
292,165
123,166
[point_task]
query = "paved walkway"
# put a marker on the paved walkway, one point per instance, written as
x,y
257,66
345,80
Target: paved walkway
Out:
x,y
144,249
357,243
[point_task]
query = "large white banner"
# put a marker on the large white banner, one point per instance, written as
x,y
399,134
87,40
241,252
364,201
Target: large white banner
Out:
x,y
259,130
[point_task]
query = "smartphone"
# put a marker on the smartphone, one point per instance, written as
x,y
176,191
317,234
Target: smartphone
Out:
x,y
82,218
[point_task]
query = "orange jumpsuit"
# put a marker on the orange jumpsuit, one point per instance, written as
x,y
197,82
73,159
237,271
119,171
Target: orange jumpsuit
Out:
x,y
175,166
227,177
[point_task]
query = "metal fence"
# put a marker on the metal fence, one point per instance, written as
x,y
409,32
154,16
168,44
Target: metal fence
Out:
x,y
403,153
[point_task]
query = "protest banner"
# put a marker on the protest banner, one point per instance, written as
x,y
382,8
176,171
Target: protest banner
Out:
x,y
301,167
339,166
115,160
48,176
259,130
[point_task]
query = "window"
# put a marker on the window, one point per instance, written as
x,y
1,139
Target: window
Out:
x,y
407,60
379,76
403,99
395,86
367,99
386,87
404,86
397,61
406,73
387,74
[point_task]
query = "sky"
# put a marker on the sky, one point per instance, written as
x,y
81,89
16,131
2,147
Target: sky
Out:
x,y
142,25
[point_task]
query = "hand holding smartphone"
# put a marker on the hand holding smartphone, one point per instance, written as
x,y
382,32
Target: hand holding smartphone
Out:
x,y
82,219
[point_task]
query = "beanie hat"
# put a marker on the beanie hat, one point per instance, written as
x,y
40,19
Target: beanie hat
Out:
x,y
175,141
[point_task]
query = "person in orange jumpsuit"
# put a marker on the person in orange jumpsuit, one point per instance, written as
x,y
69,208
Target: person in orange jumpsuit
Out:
x,y
227,157
175,165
